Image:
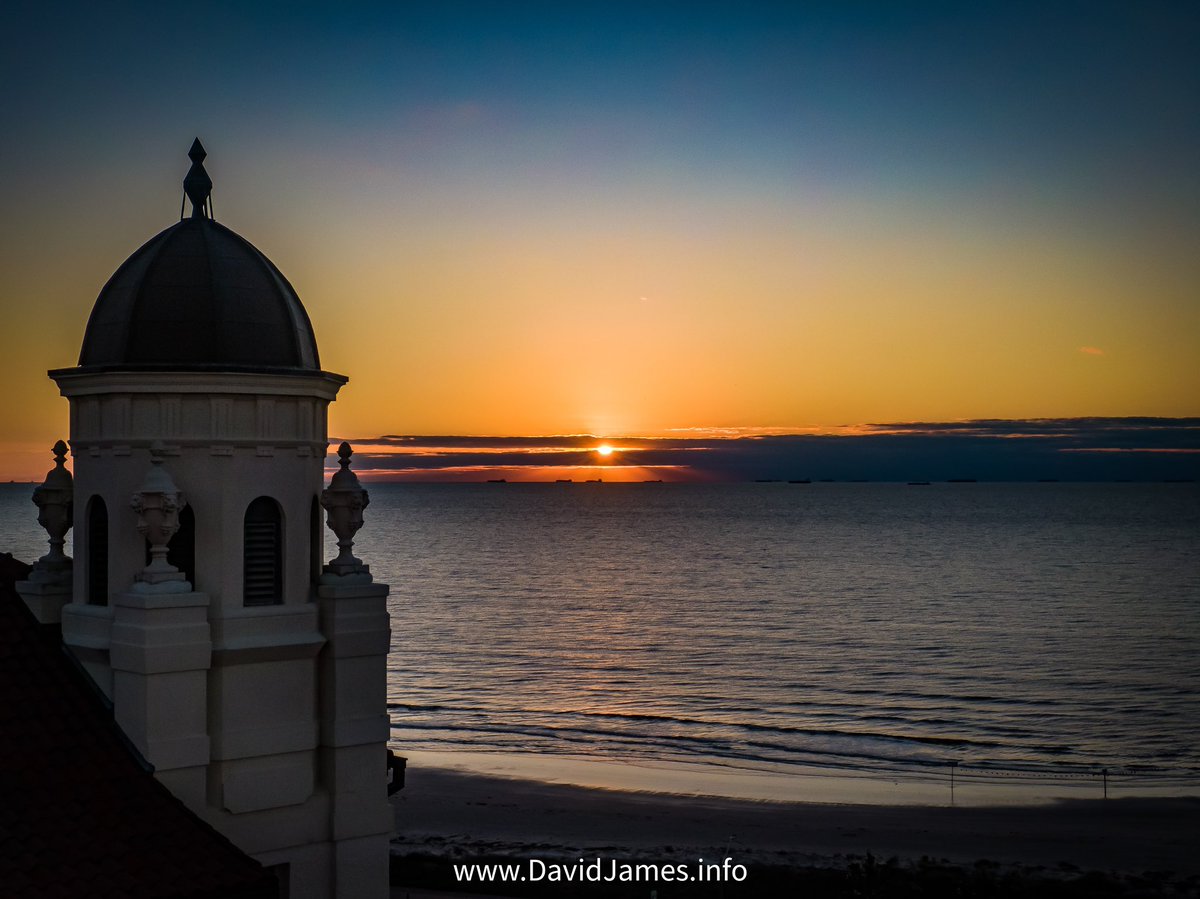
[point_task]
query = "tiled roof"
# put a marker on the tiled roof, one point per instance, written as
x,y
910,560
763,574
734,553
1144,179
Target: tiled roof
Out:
x,y
80,814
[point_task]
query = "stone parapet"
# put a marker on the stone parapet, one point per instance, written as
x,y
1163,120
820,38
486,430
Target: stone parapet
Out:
x,y
87,632
46,599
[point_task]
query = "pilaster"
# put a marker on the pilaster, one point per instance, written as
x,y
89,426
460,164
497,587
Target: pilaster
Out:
x,y
354,729
160,652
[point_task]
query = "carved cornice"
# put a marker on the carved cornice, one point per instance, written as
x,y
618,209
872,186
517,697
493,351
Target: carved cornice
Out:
x,y
74,382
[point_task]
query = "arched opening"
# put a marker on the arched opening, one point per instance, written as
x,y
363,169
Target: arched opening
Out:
x,y
262,553
315,546
181,551
97,552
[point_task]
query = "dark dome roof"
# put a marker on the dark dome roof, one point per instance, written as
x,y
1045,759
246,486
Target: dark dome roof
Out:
x,y
198,296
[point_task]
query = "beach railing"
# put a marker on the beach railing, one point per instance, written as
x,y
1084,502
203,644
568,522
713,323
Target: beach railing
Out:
x,y
1134,777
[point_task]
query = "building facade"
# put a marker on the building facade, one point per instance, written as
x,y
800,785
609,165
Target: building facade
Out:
x,y
247,671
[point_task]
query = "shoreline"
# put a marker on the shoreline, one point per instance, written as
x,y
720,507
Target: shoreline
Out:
x,y
455,814
928,787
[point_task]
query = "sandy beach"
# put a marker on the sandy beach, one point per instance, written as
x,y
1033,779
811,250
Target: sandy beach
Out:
x,y
459,815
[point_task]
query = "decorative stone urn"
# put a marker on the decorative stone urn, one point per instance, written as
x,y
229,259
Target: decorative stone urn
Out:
x,y
344,500
54,499
157,505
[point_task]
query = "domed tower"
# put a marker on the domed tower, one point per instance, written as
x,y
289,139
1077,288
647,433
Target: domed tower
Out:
x,y
251,676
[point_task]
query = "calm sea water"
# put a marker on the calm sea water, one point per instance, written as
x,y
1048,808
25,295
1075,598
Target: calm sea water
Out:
x,y
1033,628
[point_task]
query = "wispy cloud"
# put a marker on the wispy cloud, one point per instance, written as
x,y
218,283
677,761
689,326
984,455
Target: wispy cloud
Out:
x,y
1091,351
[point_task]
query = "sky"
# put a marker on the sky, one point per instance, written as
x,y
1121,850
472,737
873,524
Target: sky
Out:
x,y
639,220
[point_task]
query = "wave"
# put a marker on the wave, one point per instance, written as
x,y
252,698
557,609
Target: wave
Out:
x,y
752,727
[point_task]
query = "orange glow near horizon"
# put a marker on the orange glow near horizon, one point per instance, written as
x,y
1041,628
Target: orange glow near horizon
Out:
x,y
537,474
804,316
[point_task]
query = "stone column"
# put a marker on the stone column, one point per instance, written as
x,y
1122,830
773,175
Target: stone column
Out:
x,y
352,700
48,587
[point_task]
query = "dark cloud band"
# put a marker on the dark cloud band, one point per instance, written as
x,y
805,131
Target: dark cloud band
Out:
x,y
1080,449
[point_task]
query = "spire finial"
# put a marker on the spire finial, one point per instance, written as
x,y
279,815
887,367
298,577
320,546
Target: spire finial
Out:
x,y
197,185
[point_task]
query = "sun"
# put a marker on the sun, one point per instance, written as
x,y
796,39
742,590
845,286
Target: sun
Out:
x,y
604,449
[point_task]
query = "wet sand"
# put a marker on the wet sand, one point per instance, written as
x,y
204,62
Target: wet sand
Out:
x,y
460,815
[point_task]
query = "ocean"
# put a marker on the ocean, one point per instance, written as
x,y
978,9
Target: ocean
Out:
x,y
1021,629
1018,627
